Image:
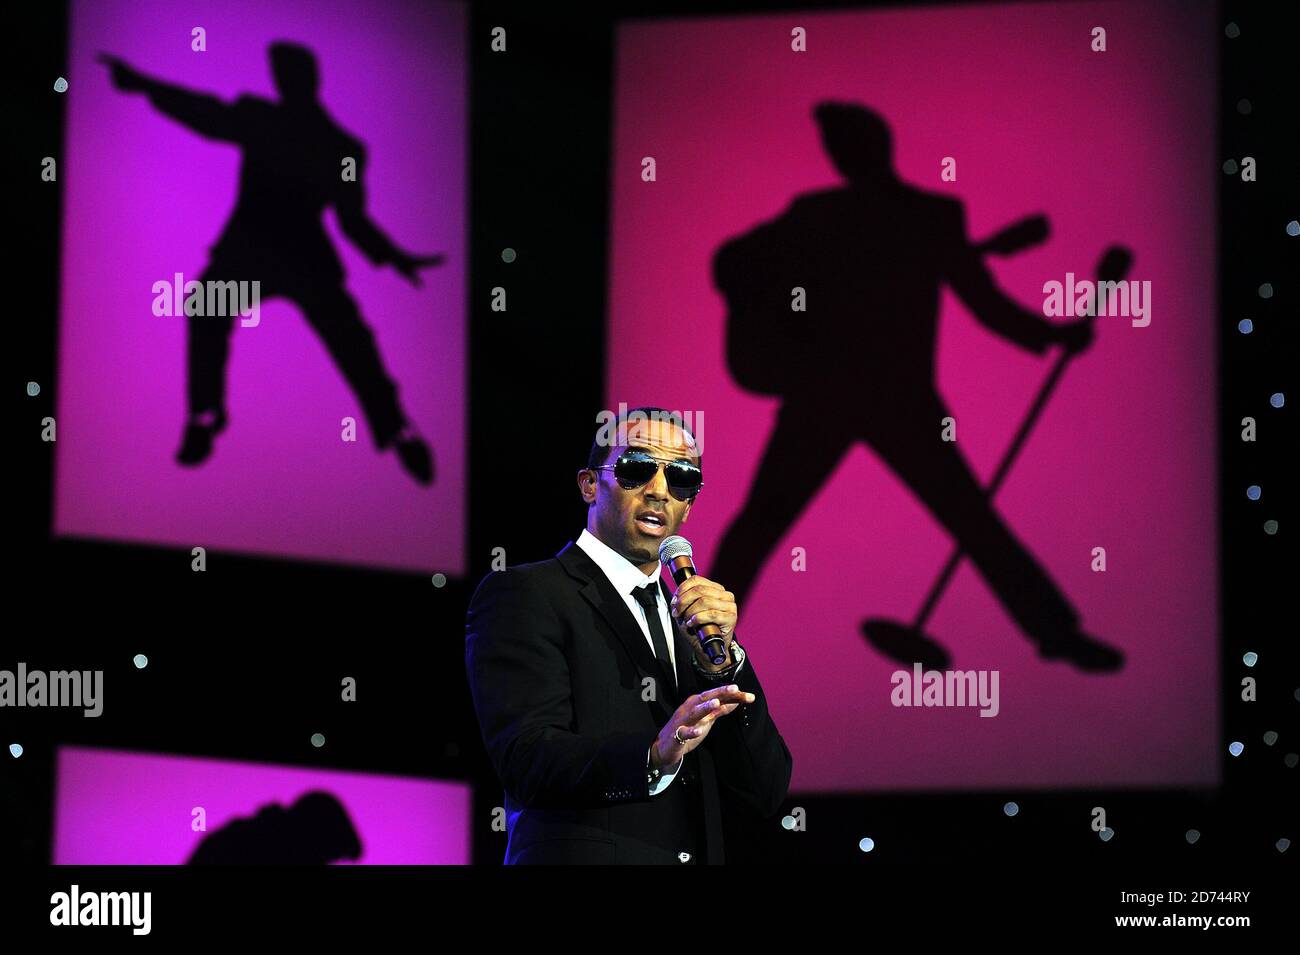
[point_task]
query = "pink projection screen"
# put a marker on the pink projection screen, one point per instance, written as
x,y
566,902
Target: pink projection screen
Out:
x,y
908,397
233,185
121,808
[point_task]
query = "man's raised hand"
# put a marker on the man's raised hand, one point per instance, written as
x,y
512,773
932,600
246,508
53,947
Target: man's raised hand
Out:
x,y
695,717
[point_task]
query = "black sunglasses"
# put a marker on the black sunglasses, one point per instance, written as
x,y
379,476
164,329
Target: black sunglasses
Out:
x,y
635,468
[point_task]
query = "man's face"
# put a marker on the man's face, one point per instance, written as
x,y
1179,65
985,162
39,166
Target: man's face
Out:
x,y
618,516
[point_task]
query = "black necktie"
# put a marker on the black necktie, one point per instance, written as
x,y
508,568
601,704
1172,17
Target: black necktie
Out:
x,y
648,598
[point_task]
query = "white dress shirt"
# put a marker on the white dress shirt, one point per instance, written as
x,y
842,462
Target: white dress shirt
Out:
x,y
625,575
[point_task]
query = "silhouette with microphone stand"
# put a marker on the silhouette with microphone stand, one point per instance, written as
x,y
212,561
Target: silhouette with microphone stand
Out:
x,y
872,256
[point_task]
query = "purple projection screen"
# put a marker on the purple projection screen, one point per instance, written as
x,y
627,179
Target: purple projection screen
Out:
x,y
119,808
1114,147
148,197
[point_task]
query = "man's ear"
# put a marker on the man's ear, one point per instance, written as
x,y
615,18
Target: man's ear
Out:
x,y
587,484
687,513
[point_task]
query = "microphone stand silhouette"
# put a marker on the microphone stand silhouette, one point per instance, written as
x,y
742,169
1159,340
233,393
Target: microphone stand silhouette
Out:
x,y
909,643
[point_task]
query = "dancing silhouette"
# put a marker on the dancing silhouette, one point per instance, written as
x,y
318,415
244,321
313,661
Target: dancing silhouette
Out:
x,y
860,366
292,168
315,830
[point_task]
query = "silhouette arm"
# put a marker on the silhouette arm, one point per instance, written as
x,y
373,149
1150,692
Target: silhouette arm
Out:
x,y
359,227
993,308
205,114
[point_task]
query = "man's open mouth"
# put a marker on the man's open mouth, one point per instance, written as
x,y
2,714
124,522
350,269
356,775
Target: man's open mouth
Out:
x,y
652,522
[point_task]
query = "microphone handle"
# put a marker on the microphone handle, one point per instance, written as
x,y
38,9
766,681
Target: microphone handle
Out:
x,y
710,637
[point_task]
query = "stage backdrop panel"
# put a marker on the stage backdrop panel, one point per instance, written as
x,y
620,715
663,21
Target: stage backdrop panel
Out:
x,y
1115,147
122,808
146,198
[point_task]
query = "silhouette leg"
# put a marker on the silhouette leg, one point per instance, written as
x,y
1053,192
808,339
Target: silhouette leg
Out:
x,y
939,475
801,453
208,351
351,343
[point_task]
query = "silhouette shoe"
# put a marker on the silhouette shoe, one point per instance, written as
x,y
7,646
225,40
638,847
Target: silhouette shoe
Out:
x,y
1083,651
415,455
200,429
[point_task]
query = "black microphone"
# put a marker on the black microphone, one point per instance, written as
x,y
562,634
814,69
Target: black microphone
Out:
x,y
675,554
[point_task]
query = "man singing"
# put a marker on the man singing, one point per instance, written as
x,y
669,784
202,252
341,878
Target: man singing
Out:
x,y
615,737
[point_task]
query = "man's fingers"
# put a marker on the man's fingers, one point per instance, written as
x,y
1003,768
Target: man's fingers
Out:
x,y
720,701
700,711
697,583
727,690
700,599
703,709
722,600
714,615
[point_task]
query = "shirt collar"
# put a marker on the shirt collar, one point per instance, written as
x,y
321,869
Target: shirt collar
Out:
x,y
620,571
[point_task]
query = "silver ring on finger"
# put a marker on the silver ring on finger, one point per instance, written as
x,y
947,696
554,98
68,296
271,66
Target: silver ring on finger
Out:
x,y
678,738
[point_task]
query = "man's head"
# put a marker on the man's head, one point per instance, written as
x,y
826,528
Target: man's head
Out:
x,y
622,518
294,68
858,141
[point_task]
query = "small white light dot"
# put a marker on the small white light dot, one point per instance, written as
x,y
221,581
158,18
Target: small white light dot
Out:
x,y
15,750
1277,399
317,740
507,255
60,85
787,822
140,660
1245,326
439,580
1192,835
866,843
1106,834
1250,658
1266,290
1236,748
1270,737
33,389
1011,809
1253,492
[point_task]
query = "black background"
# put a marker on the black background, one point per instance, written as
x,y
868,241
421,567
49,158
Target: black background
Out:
x,y
246,659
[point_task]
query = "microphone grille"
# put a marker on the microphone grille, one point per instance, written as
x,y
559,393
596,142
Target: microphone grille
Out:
x,y
673,547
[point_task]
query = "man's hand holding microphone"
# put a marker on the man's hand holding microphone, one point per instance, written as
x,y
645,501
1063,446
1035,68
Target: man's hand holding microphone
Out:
x,y
699,601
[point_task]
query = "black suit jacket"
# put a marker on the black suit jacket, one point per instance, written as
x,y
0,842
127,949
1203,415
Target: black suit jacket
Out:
x,y
556,661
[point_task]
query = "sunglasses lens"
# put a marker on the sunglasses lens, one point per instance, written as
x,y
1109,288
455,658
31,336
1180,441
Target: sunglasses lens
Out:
x,y
633,470
683,480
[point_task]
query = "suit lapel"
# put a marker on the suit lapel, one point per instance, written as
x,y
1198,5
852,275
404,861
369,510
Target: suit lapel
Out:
x,y
608,602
